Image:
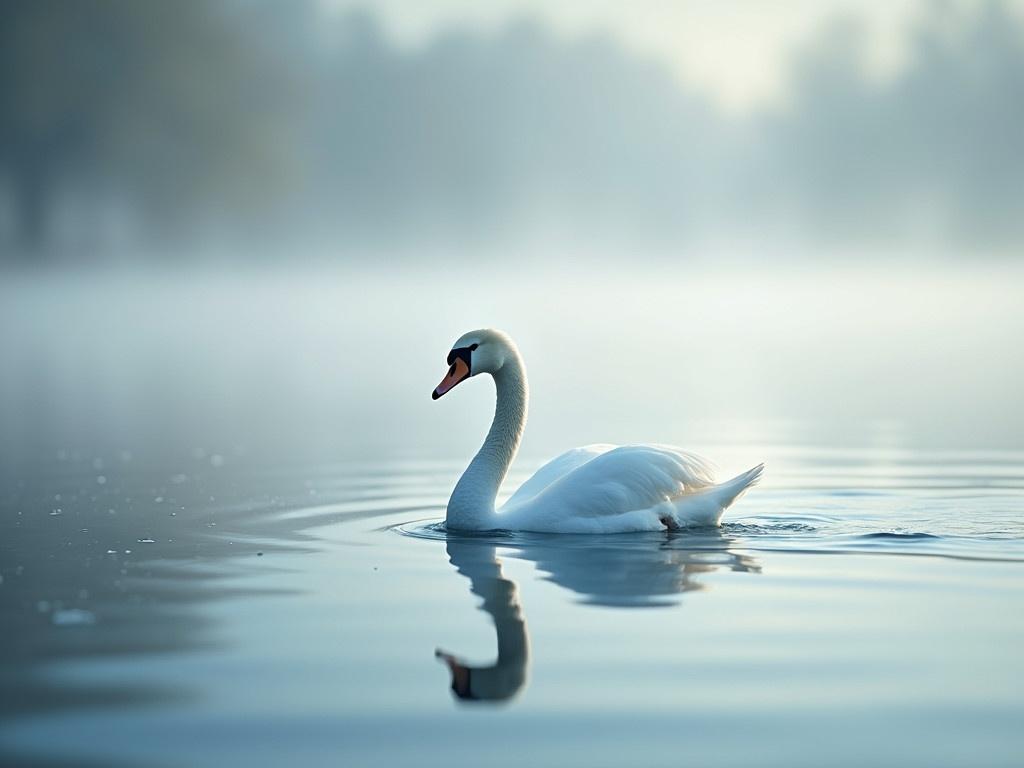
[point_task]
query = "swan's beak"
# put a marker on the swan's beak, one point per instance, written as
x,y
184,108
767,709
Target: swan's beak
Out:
x,y
456,373
460,674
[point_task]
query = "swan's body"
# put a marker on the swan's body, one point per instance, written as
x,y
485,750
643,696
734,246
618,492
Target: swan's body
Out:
x,y
594,489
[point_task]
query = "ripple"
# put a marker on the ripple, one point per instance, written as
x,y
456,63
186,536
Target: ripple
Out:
x,y
436,530
768,528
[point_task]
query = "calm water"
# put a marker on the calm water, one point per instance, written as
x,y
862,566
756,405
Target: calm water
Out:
x,y
855,609
220,542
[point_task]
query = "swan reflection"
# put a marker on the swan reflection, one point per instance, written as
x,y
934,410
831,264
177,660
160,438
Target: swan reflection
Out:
x,y
505,677
620,571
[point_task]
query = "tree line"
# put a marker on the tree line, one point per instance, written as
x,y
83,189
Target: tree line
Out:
x,y
260,123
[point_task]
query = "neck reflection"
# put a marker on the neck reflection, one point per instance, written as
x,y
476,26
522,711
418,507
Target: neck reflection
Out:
x,y
506,676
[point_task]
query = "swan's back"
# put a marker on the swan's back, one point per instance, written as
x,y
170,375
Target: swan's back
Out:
x,y
555,469
589,487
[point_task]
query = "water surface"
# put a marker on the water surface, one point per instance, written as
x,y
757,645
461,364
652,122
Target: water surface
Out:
x,y
220,497
231,613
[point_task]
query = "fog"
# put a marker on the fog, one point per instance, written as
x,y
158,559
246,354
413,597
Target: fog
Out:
x,y
263,131
238,239
258,226
339,365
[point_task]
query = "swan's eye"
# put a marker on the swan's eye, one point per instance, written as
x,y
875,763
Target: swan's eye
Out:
x,y
473,347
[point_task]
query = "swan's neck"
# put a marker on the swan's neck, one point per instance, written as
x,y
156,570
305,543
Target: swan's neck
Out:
x,y
472,503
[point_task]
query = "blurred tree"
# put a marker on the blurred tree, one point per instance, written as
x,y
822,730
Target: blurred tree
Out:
x,y
263,122
932,152
166,103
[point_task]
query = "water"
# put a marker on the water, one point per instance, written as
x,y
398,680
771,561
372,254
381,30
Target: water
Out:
x,y
846,613
181,590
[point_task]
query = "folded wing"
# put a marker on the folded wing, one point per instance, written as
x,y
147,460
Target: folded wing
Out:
x,y
556,468
598,481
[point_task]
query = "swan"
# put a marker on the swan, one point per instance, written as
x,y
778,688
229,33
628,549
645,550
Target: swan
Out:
x,y
594,489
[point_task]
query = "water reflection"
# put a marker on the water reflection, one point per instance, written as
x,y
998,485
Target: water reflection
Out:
x,y
507,675
628,571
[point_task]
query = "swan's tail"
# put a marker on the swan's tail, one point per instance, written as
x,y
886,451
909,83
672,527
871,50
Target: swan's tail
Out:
x,y
726,493
705,506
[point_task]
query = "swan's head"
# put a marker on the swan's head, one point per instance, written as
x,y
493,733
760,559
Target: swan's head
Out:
x,y
483,351
461,675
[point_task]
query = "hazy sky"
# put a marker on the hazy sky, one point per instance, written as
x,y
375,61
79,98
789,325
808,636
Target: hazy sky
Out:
x,y
736,50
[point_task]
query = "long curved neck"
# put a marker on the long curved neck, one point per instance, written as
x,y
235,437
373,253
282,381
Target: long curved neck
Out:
x,y
472,503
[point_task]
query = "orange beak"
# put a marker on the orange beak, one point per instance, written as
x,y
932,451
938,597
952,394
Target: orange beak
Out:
x,y
460,674
456,373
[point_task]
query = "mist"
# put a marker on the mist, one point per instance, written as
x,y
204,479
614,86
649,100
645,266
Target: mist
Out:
x,y
131,132
240,240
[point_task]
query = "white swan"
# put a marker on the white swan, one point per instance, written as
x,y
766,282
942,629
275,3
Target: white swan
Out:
x,y
593,489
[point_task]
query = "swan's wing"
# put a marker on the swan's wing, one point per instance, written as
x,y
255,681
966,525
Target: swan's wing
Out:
x,y
622,479
556,468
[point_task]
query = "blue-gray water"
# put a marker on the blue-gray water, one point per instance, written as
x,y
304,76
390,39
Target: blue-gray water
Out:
x,y
280,599
848,612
